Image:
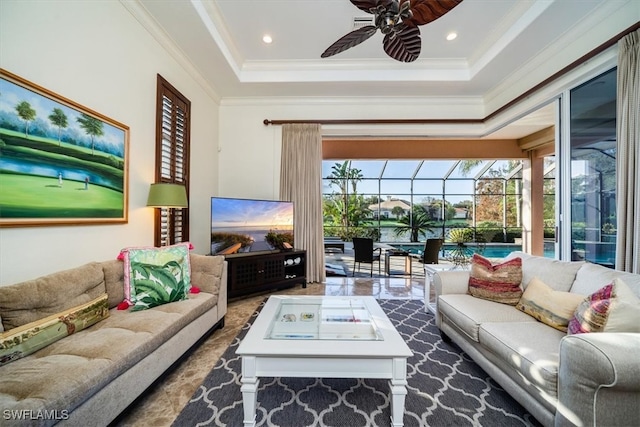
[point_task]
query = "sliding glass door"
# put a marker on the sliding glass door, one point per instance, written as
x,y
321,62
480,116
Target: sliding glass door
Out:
x,y
593,170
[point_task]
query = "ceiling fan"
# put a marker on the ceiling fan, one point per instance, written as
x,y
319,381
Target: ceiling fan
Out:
x,y
398,20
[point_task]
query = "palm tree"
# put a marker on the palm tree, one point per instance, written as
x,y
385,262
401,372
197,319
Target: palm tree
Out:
x,y
342,175
417,223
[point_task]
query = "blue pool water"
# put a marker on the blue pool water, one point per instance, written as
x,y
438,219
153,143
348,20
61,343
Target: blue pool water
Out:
x,y
495,250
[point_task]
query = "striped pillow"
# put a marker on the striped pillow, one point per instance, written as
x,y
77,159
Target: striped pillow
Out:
x,y
612,308
496,282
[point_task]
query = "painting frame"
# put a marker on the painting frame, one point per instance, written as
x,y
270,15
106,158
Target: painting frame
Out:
x,y
61,163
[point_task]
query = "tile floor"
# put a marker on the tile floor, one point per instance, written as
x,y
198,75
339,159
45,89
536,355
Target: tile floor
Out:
x,y
162,403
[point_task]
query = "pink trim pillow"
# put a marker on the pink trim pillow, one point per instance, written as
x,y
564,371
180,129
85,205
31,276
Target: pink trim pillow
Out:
x,y
154,256
612,308
496,282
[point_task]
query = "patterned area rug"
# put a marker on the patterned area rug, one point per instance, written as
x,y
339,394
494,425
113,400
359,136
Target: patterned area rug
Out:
x,y
446,388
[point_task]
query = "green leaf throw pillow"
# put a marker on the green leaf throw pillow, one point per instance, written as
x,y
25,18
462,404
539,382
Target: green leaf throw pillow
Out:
x,y
155,285
159,257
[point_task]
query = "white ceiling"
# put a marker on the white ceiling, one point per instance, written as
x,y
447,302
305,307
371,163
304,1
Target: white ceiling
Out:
x,y
500,43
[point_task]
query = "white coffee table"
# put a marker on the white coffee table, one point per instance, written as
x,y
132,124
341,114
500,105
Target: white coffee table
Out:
x,y
323,337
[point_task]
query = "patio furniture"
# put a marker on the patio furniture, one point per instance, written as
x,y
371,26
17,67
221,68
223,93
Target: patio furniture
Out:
x,y
333,243
431,251
364,252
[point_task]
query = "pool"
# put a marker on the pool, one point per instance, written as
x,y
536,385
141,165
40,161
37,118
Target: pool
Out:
x,y
491,250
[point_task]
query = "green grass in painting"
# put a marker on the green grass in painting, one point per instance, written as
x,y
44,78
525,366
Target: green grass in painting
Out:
x,y
28,196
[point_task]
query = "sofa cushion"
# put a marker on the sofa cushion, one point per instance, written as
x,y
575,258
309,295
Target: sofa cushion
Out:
x,y
206,272
592,277
559,275
496,282
468,313
531,350
553,308
613,308
29,301
114,281
27,339
64,374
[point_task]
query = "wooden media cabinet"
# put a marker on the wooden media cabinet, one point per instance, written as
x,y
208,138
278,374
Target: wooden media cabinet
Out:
x,y
249,273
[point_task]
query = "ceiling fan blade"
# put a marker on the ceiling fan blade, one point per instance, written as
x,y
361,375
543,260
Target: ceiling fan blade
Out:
x,y
425,11
404,45
368,5
349,40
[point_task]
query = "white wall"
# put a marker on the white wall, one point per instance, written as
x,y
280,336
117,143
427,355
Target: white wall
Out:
x,y
250,151
98,55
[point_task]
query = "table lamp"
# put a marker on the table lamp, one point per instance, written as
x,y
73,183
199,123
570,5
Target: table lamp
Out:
x,y
170,196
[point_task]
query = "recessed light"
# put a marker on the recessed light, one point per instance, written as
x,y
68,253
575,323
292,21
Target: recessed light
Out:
x,y
452,36
267,38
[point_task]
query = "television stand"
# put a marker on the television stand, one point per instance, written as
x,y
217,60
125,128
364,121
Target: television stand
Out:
x,y
249,273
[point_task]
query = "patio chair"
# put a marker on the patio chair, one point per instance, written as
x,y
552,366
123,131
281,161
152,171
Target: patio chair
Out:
x,y
364,252
431,251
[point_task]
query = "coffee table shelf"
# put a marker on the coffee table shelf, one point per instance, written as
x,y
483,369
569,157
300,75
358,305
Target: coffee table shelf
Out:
x,y
323,319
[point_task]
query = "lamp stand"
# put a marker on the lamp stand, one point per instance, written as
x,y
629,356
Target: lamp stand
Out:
x,y
169,216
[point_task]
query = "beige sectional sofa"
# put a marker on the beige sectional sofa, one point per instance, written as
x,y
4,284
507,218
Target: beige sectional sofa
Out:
x,y
589,379
91,376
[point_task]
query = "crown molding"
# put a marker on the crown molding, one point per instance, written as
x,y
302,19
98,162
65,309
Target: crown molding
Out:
x,y
140,13
391,102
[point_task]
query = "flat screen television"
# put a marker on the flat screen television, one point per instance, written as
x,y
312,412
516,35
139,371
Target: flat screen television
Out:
x,y
249,225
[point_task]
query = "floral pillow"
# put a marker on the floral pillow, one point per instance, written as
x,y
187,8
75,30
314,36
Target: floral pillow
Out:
x,y
143,266
612,308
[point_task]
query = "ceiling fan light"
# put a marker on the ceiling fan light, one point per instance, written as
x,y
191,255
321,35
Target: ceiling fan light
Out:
x,y
452,36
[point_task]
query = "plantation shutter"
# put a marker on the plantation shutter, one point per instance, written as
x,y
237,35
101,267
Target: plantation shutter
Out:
x,y
172,158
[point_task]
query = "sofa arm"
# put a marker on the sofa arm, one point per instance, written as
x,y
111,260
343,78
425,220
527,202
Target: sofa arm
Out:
x,y
451,282
599,380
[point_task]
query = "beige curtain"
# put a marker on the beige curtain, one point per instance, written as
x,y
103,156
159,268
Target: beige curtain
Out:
x,y
628,156
301,183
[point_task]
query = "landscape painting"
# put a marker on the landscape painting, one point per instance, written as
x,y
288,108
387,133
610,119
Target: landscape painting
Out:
x,y
60,163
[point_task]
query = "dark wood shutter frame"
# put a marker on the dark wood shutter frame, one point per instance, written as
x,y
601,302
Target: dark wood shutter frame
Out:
x,y
173,112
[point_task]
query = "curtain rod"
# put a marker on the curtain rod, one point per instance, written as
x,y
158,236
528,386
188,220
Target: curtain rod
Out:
x,y
268,122
604,46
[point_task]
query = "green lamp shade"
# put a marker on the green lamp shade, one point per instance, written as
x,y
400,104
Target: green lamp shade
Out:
x,y
165,195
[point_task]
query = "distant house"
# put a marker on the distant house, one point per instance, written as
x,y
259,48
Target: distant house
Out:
x,y
461,213
385,209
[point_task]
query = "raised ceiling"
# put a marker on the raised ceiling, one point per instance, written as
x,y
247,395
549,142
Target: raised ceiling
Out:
x,y
502,45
